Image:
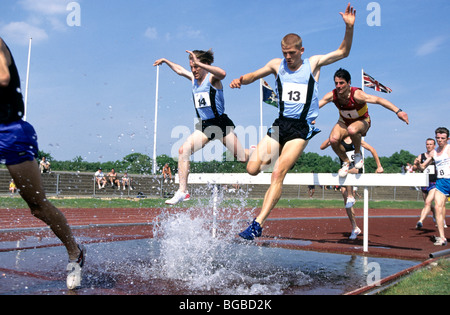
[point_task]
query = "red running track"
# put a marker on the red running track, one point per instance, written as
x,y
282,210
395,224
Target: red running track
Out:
x,y
392,232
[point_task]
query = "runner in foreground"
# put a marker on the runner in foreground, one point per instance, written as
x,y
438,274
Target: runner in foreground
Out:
x,y
18,150
297,88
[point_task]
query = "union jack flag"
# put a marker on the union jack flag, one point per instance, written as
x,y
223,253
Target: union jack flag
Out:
x,y
370,82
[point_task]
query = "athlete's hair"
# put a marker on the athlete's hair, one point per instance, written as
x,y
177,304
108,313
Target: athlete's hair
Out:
x,y
292,40
431,139
442,130
343,74
206,57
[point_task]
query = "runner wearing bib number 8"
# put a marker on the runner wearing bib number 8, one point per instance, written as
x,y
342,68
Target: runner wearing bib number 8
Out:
x,y
442,159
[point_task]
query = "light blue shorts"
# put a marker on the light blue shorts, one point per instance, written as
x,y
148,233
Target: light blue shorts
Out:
x,y
18,143
443,185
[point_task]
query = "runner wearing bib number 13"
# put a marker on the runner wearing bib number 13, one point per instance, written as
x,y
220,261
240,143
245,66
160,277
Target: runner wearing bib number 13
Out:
x,y
297,86
354,120
442,159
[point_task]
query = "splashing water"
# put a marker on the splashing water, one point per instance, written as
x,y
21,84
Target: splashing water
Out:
x,y
189,254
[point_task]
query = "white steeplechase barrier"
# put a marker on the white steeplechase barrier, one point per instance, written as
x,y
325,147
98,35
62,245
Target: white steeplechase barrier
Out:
x,y
322,179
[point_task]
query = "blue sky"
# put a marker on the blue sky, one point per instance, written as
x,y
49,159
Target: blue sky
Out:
x,y
92,87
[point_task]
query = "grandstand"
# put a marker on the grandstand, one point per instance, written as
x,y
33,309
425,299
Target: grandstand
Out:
x,y
78,184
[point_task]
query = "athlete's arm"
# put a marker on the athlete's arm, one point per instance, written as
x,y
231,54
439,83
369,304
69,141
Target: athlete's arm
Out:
x,y
349,17
270,68
425,163
175,67
326,99
5,76
363,97
218,74
372,150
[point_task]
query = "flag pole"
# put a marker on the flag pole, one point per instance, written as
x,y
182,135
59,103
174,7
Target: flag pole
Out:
x,y
27,82
156,120
261,101
366,194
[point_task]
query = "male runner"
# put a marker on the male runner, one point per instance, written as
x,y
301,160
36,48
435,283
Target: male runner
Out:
x,y
298,104
427,192
354,119
347,191
441,157
209,103
18,150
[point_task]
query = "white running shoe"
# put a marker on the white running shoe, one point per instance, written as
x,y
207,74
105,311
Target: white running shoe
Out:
x,y
75,270
359,162
344,170
350,202
355,234
179,197
440,241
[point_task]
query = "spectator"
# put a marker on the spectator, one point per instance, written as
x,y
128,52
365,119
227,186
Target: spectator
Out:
x,y
100,178
12,187
126,181
167,173
112,178
44,166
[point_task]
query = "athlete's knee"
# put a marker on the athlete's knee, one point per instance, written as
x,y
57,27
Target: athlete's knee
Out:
x,y
278,175
253,169
335,141
352,131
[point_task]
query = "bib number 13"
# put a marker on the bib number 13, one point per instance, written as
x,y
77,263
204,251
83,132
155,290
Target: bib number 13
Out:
x,y
293,92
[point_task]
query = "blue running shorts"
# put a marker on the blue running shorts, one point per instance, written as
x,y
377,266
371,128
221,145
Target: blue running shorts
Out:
x,y
443,185
18,143
426,190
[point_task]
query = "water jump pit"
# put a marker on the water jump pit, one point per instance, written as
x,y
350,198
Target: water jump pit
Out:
x,y
175,254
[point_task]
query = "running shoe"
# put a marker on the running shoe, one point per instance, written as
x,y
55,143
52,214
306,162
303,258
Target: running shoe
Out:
x,y
179,197
75,270
355,234
253,230
359,162
344,170
440,241
419,225
350,202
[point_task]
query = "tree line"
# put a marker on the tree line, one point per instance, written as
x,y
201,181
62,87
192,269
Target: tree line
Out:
x,y
141,164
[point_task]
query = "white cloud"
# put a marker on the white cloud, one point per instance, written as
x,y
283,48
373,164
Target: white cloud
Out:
x,y
21,32
151,33
431,46
45,7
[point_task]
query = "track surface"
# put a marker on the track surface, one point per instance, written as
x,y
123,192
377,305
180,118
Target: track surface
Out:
x,y
392,233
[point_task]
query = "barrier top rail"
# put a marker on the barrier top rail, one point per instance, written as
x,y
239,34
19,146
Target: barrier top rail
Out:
x,y
366,180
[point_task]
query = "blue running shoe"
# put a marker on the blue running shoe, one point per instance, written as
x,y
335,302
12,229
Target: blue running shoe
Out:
x,y
253,230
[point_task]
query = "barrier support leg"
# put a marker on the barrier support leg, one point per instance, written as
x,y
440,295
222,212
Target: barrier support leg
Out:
x,y
366,219
215,202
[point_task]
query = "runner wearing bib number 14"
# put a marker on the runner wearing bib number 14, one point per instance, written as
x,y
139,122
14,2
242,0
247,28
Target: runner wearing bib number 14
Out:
x,y
442,159
209,102
354,119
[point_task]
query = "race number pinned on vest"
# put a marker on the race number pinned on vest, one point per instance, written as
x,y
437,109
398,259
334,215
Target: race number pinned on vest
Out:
x,y
295,93
202,100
